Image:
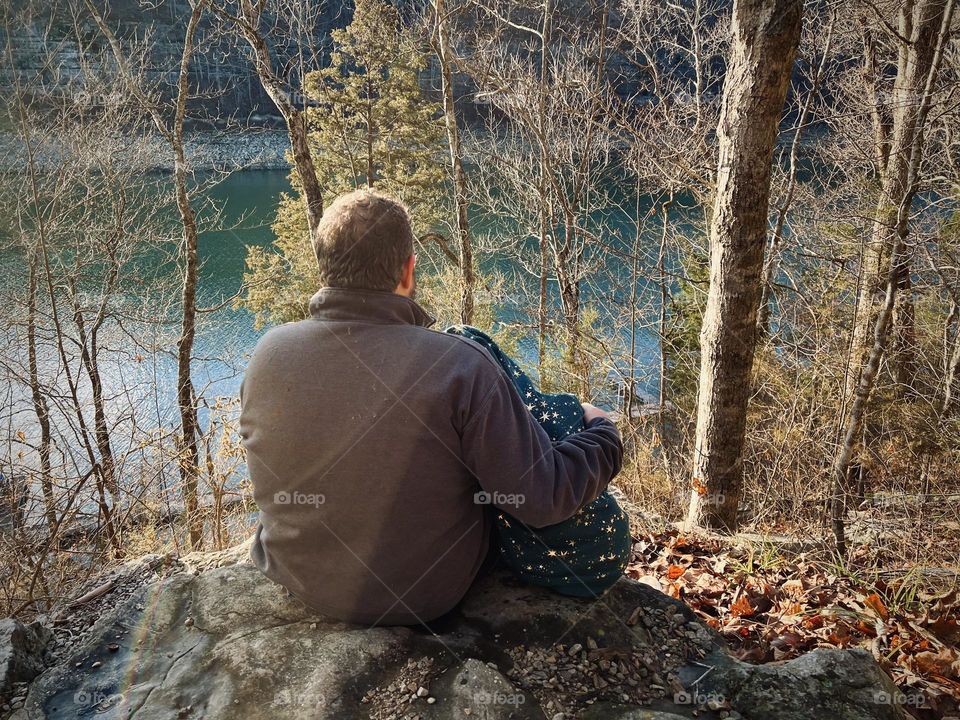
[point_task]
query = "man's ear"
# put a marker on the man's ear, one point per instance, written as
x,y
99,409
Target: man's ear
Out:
x,y
407,282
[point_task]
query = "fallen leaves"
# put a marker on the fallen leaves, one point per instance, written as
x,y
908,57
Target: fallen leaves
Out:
x,y
779,610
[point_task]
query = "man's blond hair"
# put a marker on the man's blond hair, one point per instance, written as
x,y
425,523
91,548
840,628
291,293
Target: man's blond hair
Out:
x,y
362,241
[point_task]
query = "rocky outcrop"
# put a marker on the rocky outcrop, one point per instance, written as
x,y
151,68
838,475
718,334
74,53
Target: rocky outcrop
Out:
x,y
212,638
22,654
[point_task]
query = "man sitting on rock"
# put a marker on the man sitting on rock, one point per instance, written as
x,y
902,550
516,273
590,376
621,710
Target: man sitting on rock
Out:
x,y
392,462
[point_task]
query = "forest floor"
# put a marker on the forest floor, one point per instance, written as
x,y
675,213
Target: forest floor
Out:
x,y
773,600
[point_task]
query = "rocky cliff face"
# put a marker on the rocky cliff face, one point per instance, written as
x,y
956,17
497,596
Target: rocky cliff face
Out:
x,y
209,637
221,73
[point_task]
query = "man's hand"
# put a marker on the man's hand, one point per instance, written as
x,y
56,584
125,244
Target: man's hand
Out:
x,y
592,412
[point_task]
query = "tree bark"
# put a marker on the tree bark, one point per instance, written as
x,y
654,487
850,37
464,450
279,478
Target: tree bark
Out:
x,y
953,358
925,27
546,209
776,239
765,37
186,403
40,406
188,454
461,205
920,55
248,25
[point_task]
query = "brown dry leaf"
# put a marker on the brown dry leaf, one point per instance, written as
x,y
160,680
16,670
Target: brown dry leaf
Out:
x,y
874,602
787,608
742,607
675,571
793,587
944,663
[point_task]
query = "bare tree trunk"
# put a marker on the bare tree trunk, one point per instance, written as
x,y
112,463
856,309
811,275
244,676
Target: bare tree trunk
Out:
x,y
903,348
546,211
40,406
186,403
773,251
881,123
953,359
925,27
765,37
445,54
248,25
841,467
630,390
662,315
919,60
88,357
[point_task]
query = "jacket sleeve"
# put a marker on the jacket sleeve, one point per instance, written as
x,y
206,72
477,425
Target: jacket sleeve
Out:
x,y
524,473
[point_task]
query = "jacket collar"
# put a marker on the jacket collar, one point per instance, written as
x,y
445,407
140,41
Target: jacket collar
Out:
x,y
333,303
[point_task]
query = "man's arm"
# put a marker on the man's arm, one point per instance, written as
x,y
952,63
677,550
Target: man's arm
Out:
x,y
525,474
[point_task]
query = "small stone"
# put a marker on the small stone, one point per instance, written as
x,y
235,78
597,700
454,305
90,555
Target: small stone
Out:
x,y
422,692
188,622
113,647
96,664
558,716
591,643
431,700
575,649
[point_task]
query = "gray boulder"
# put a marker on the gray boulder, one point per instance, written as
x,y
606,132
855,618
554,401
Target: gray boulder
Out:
x,y
215,639
22,650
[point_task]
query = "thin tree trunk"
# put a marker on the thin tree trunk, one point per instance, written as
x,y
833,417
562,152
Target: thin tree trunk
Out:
x,y
248,25
461,205
841,467
953,359
919,59
88,357
631,388
662,323
926,26
188,455
186,403
40,406
765,37
664,294
546,209
776,240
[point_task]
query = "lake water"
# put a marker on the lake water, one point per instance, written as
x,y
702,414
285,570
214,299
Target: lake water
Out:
x,y
248,202
250,199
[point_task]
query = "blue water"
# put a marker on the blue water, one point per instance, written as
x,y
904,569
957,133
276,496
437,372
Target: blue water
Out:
x,y
250,200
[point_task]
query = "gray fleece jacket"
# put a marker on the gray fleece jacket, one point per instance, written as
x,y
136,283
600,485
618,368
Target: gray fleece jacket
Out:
x,y
376,447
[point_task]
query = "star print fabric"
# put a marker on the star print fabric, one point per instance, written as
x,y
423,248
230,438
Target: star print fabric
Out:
x,y
582,556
